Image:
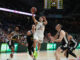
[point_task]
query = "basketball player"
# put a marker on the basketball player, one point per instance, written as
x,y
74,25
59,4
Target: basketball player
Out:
x,y
71,46
30,41
12,37
39,32
62,38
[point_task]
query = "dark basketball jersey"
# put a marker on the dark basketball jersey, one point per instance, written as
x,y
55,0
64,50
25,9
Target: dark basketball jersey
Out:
x,y
30,38
15,35
11,43
64,40
73,43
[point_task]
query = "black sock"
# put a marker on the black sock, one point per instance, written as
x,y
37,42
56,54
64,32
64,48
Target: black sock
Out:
x,y
67,54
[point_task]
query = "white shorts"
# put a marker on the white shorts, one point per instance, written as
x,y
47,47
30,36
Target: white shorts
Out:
x,y
39,37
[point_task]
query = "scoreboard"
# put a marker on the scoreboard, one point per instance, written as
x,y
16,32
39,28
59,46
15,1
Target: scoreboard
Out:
x,y
48,4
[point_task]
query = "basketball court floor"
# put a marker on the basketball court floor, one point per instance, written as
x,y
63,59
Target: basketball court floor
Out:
x,y
43,55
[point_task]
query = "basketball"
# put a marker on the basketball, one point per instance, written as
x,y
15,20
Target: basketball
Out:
x,y
33,10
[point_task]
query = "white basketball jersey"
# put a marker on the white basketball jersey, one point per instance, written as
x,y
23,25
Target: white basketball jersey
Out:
x,y
40,27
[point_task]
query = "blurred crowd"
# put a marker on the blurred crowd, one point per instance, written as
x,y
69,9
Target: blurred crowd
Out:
x,y
23,37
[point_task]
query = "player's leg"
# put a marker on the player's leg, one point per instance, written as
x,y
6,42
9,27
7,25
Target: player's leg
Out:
x,y
30,51
39,45
40,41
71,53
35,37
11,46
57,53
68,51
31,54
12,52
67,54
34,44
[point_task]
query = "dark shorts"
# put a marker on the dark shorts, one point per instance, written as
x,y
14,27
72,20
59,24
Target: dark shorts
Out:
x,y
71,48
63,48
11,44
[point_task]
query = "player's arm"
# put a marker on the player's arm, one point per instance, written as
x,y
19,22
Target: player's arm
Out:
x,y
9,37
45,20
33,28
74,43
62,34
56,36
34,19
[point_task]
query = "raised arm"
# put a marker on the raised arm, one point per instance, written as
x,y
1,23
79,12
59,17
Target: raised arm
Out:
x,y
34,19
33,28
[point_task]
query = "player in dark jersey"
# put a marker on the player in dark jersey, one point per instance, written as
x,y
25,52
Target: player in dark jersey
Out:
x,y
71,46
62,38
30,41
11,41
11,45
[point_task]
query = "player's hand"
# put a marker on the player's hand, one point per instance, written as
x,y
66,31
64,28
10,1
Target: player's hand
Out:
x,y
44,18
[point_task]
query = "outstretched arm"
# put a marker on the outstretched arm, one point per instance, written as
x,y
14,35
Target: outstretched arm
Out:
x,y
34,19
56,36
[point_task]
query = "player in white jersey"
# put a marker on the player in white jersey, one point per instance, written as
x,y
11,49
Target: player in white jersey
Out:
x,y
39,32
